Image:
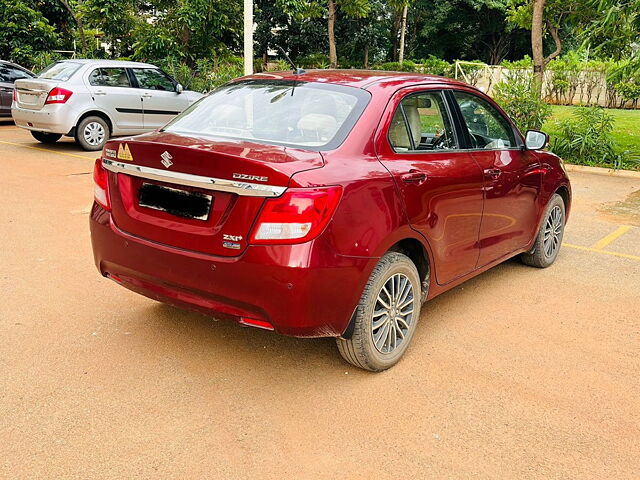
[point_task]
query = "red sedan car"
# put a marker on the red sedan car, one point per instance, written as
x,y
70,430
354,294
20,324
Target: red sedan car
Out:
x,y
326,203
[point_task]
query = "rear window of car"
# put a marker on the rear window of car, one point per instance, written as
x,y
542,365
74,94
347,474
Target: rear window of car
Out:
x,y
60,71
11,74
301,114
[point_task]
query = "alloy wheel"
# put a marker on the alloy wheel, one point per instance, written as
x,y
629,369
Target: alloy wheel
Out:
x,y
553,231
393,313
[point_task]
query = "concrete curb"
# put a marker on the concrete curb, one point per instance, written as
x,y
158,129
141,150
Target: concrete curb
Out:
x,y
609,172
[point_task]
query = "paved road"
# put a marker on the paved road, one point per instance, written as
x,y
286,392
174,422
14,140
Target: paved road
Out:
x,y
519,373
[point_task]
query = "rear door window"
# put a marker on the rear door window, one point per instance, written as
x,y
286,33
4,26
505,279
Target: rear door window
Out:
x,y
153,79
61,71
109,77
421,123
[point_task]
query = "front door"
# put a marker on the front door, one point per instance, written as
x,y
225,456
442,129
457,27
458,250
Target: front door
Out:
x,y
512,178
440,184
160,101
112,92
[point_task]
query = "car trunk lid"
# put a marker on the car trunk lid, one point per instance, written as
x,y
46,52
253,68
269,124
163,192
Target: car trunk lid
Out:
x,y
197,194
32,93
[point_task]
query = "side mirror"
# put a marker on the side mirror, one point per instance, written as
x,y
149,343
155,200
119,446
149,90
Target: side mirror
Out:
x,y
536,140
179,88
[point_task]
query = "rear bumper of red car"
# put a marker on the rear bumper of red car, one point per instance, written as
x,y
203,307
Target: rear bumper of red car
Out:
x,y
299,290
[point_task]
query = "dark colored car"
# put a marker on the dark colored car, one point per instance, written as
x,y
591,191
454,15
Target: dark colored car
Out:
x,y
328,203
9,73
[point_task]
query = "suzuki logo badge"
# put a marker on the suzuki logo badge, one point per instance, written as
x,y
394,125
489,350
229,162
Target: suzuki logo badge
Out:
x,y
166,159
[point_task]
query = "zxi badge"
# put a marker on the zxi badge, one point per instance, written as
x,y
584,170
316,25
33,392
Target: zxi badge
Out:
x,y
166,159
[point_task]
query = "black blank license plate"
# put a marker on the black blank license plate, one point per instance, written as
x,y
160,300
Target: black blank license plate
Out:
x,y
180,203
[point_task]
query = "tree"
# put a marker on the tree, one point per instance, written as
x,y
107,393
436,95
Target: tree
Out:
x,y
451,30
611,27
116,18
547,17
191,30
351,8
24,31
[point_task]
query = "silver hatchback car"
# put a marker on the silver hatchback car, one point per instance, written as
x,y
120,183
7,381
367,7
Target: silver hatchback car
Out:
x,y
93,100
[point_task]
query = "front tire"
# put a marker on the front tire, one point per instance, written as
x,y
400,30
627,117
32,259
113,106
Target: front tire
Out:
x,y
44,137
386,317
92,133
547,244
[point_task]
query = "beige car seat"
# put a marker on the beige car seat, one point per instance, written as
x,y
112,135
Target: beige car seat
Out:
x,y
398,135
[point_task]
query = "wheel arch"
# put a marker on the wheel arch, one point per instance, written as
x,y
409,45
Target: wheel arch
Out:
x,y
564,192
417,253
414,246
96,113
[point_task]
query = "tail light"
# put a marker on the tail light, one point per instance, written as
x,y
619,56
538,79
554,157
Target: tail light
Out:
x,y
101,188
58,95
297,216
15,95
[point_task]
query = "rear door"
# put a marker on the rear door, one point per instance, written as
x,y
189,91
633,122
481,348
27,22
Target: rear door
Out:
x,y
160,101
440,184
512,177
112,92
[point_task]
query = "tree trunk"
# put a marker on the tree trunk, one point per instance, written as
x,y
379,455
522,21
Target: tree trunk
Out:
x,y
403,27
537,46
366,56
394,44
78,20
333,56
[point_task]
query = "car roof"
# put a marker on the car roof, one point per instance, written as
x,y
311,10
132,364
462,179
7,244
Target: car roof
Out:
x,y
364,79
115,63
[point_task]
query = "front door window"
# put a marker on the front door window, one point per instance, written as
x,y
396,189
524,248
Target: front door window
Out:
x,y
488,129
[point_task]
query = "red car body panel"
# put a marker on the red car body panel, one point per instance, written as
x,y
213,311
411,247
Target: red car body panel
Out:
x,y
463,219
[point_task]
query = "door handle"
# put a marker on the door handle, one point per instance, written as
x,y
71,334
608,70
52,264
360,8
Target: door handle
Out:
x,y
100,92
413,176
492,172
146,95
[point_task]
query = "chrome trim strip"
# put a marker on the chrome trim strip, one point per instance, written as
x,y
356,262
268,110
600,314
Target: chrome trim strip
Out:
x,y
241,188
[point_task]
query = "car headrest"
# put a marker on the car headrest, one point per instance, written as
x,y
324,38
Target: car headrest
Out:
x,y
318,126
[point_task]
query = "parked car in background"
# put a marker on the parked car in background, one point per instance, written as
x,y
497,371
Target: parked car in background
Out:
x,y
93,100
327,204
9,73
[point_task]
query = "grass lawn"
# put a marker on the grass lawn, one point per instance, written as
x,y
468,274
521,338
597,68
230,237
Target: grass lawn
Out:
x,y
626,133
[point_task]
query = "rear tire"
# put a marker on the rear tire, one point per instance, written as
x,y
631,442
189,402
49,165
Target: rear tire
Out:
x,y
386,317
92,133
547,244
44,137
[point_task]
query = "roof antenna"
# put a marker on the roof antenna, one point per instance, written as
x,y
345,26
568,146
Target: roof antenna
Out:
x,y
296,70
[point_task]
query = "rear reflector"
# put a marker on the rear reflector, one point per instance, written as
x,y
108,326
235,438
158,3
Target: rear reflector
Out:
x,y
101,187
58,95
297,216
254,322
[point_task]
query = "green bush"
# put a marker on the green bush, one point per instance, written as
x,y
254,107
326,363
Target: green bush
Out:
x,y
586,139
517,97
43,59
314,60
406,66
436,66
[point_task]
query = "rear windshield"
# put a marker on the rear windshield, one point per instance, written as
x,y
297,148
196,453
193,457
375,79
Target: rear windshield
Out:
x,y
307,115
60,71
